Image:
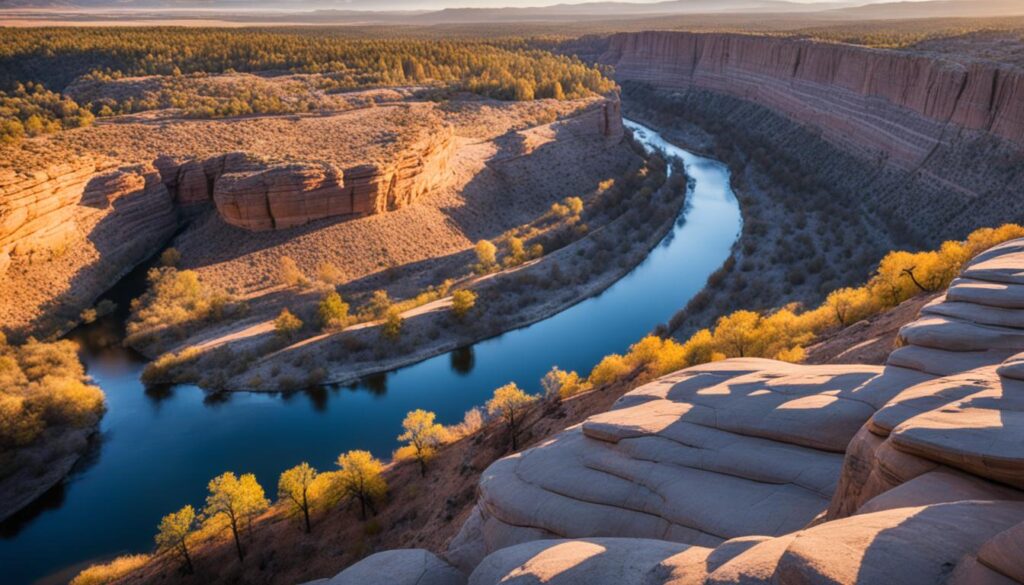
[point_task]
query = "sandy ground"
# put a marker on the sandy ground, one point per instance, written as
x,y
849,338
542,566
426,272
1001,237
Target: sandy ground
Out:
x,y
501,178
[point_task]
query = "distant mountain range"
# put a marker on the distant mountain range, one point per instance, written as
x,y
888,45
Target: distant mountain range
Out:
x,y
401,11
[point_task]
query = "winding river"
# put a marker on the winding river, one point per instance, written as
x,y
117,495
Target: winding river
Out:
x,y
158,447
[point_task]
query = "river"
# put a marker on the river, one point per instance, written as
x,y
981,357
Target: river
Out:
x,y
158,447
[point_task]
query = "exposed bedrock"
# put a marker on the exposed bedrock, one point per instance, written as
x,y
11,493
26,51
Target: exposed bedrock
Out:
x,y
71,229
263,195
879,101
756,471
932,144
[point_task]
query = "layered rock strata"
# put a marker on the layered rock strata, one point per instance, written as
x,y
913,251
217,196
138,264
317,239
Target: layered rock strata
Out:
x,y
73,228
259,194
929,145
899,104
754,471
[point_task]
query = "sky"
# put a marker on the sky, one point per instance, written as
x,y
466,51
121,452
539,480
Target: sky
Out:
x,y
438,4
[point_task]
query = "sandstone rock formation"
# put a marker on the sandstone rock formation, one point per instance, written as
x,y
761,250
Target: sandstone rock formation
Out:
x,y
74,228
876,100
287,195
931,145
755,471
398,566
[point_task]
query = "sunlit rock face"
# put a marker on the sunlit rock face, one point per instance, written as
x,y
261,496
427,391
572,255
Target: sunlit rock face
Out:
x,y
911,473
754,471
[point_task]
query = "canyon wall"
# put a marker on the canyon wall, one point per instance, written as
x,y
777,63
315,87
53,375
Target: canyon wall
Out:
x,y
70,230
928,149
257,194
878,102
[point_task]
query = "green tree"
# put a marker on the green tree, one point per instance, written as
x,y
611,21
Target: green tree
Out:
x,y
238,499
173,533
333,311
509,402
361,478
463,302
286,325
423,436
297,486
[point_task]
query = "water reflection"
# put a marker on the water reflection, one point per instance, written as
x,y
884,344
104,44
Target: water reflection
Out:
x,y
463,360
167,442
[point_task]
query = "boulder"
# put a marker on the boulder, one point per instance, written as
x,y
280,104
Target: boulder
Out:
x,y
596,561
398,567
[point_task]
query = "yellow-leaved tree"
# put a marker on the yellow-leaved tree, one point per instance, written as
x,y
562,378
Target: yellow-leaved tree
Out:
x,y
173,533
463,302
237,499
423,436
299,487
361,479
509,402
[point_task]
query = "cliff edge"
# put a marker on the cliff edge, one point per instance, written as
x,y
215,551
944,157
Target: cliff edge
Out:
x,y
756,471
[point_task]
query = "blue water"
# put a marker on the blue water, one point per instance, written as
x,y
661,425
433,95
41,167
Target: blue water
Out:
x,y
159,447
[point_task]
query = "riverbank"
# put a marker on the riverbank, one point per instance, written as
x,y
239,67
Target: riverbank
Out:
x,y
799,241
522,296
168,441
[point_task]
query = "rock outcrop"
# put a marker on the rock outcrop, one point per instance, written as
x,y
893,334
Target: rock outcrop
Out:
x,y
71,230
260,194
755,471
929,147
876,101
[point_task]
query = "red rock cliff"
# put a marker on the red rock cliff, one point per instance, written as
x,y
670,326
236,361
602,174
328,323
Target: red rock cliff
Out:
x,y
873,101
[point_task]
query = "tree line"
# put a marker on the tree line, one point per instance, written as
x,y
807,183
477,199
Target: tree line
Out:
x,y
234,502
506,69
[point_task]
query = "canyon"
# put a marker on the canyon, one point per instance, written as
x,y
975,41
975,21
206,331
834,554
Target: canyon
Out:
x,y
756,471
80,209
933,139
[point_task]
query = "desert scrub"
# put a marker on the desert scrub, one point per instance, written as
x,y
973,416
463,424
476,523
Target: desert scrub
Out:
x,y
110,572
175,303
782,334
43,386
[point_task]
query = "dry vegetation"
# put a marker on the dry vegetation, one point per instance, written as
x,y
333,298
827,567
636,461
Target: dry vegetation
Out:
x,y
508,69
423,496
586,242
47,410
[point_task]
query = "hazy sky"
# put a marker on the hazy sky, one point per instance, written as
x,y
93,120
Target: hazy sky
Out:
x,y
436,4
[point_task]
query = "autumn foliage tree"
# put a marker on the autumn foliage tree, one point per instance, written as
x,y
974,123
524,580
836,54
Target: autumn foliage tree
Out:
x,y
286,325
173,533
463,302
391,328
333,311
486,257
782,334
298,487
559,384
509,402
361,479
422,436
238,499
